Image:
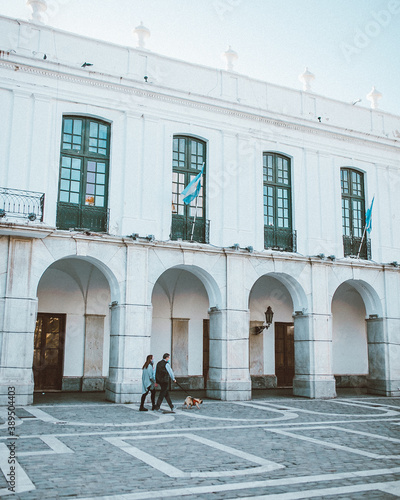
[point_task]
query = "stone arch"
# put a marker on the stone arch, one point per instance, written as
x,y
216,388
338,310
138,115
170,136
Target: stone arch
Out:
x,y
372,302
296,291
353,301
211,286
74,295
108,273
181,299
271,353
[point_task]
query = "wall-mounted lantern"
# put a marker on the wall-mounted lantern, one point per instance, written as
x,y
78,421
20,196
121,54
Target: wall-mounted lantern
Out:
x,y
269,315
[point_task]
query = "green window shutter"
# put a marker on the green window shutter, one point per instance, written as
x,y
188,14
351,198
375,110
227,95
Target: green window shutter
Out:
x,y
277,191
84,165
353,213
188,157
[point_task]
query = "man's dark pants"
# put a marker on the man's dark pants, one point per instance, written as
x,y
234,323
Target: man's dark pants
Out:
x,y
164,394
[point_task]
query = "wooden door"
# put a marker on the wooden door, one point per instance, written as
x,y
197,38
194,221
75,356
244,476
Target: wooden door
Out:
x,y
284,354
48,355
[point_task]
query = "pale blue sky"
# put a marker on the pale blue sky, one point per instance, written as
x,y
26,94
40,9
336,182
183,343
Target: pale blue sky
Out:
x,y
350,45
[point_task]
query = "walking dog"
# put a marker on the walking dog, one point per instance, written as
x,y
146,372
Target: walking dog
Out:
x,y
189,402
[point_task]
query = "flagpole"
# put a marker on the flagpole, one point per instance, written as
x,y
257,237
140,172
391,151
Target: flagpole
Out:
x,y
362,239
194,220
367,227
195,212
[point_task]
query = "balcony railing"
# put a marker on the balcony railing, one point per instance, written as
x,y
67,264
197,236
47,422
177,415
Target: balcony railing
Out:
x,y
351,246
280,239
181,229
19,203
88,218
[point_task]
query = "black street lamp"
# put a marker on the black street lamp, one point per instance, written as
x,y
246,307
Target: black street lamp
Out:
x,y
269,314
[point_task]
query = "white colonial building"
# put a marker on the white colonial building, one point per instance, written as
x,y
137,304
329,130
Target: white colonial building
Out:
x,y
101,264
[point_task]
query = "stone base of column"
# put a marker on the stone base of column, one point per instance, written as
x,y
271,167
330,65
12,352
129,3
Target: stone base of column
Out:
x,y
383,387
123,392
93,384
16,394
314,387
229,390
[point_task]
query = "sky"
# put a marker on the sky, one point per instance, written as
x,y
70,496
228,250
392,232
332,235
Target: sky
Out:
x,y
349,45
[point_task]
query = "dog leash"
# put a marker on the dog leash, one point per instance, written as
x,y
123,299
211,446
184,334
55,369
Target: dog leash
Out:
x,y
182,388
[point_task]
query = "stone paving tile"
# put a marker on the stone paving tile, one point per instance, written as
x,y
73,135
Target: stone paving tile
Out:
x,y
84,464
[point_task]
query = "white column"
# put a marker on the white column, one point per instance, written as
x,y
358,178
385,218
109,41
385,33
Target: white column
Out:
x,y
313,342
313,356
229,376
130,332
129,346
17,325
384,356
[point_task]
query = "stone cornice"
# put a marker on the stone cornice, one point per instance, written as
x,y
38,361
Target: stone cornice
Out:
x,y
213,105
35,232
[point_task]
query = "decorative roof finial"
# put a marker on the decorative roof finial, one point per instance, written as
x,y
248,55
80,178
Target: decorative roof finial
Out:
x,y
230,57
38,8
306,78
374,97
142,34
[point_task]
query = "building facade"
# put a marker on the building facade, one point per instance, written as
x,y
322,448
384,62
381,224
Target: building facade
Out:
x,y
101,262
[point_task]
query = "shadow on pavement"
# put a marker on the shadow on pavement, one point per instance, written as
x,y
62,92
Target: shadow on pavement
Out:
x,y
51,398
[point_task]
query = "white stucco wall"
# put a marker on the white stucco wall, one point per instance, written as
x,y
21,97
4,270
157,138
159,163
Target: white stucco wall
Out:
x,y
349,333
179,99
189,300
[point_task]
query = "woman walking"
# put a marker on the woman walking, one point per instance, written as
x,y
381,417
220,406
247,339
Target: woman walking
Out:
x,y
148,383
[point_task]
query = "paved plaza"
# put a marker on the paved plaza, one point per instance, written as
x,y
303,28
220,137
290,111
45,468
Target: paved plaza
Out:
x,y
273,447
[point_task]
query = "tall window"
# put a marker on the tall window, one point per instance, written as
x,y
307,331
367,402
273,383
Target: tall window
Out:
x,y
278,231
188,221
353,213
83,188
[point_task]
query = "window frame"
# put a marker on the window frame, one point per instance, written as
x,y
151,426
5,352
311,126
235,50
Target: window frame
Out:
x,y
353,209
352,197
83,187
182,173
274,185
278,202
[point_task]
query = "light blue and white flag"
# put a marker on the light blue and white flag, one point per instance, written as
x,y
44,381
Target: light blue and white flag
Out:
x,y
192,190
368,217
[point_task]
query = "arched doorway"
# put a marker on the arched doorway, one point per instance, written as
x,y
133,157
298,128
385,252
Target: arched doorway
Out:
x,y
72,335
349,337
180,325
271,352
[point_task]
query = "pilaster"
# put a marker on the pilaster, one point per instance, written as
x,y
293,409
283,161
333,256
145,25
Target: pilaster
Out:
x,y
17,325
313,356
384,356
229,376
129,345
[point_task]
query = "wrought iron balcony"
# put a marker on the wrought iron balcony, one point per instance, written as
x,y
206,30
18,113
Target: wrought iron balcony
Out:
x,y
280,239
351,247
22,204
70,216
182,228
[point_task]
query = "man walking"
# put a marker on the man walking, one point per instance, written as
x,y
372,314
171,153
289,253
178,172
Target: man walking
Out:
x,y
163,374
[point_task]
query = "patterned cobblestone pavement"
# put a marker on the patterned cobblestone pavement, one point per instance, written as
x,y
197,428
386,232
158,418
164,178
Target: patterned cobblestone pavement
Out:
x,y
271,448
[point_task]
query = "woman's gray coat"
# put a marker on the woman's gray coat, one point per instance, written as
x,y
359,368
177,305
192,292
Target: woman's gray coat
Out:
x,y
148,378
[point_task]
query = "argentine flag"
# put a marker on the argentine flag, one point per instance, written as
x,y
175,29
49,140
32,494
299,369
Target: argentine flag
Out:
x,y
192,190
368,217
